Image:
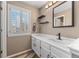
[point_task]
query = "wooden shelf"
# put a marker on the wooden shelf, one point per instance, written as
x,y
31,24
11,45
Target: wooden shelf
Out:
x,y
42,16
44,22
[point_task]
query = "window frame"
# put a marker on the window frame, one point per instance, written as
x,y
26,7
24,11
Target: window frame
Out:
x,y
21,9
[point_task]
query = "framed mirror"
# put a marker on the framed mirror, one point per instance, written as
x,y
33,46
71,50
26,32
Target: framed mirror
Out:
x,y
63,15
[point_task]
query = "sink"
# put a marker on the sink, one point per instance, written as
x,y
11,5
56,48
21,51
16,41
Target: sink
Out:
x,y
42,36
63,41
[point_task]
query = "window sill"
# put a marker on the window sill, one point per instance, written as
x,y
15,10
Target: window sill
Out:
x,y
21,34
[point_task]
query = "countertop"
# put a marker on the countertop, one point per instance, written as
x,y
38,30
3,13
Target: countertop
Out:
x,y
74,46
61,44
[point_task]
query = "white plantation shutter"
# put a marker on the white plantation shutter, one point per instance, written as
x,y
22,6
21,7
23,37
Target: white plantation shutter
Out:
x,y
18,20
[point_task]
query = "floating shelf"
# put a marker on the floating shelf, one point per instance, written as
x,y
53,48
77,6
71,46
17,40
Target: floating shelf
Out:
x,y
44,22
42,16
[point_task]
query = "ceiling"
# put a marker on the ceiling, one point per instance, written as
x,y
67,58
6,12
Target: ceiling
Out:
x,y
37,4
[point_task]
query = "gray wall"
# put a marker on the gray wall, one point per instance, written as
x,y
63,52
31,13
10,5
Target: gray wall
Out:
x,y
72,32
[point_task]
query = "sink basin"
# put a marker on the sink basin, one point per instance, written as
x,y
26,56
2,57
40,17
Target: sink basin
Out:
x,y
63,41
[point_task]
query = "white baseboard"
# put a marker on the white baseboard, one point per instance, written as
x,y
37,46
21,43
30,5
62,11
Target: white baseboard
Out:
x,y
18,53
31,55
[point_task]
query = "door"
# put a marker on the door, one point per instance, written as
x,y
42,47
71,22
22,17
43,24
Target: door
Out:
x,y
0,30
45,50
36,46
60,53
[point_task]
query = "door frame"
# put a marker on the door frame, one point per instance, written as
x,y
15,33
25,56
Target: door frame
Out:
x,y
4,29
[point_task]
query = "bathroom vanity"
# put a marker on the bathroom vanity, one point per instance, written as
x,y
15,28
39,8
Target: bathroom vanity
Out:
x,y
48,46
74,47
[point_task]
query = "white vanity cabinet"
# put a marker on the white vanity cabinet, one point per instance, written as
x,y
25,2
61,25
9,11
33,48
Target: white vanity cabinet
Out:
x,y
46,48
36,46
42,49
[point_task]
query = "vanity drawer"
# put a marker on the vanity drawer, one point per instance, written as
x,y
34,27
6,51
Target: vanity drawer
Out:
x,y
33,39
59,53
45,45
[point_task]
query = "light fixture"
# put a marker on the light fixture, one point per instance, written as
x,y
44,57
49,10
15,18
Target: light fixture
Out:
x,y
50,4
46,6
54,1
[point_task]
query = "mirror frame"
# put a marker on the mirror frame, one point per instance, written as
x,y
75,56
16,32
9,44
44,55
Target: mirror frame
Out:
x,y
71,14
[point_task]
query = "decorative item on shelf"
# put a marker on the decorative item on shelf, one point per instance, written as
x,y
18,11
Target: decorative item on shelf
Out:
x,y
44,22
34,27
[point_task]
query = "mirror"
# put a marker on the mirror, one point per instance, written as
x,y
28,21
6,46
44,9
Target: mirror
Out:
x,y
63,15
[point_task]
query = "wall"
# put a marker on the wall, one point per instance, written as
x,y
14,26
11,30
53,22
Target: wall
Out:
x,y
17,44
72,32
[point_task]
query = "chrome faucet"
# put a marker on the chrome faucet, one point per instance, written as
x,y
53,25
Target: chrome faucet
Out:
x,y
59,36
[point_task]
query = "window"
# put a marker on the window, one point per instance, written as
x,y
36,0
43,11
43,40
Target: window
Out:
x,y
18,20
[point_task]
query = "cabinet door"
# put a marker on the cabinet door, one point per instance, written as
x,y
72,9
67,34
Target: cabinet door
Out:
x,y
36,46
59,53
33,44
45,53
45,45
